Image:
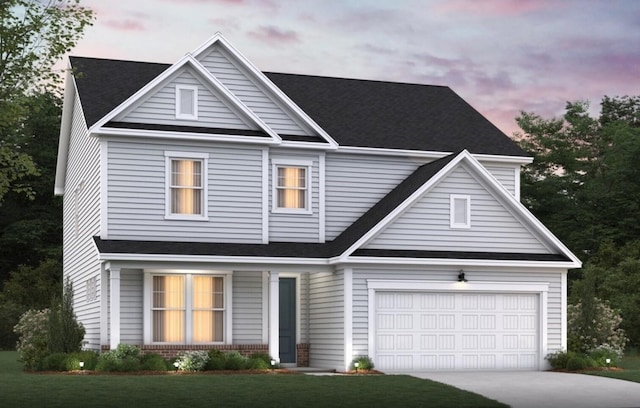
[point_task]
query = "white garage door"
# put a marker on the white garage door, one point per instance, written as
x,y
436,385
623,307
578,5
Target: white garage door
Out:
x,y
456,331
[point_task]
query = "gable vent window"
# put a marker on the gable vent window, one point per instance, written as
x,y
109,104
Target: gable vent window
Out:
x,y
186,185
186,102
460,211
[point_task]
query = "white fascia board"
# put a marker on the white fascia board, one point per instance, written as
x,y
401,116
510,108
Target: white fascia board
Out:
x,y
160,134
432,154
403,206
65,133
307,145
455,262
220,39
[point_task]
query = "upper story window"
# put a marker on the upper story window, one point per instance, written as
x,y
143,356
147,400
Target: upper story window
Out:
x,y
460,211
291,187
186,194
186,102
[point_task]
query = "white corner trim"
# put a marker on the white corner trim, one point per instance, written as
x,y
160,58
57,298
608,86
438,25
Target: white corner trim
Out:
x,y
265,196
66,126
265,307
563,311
104,189
322,198
348,317
516,183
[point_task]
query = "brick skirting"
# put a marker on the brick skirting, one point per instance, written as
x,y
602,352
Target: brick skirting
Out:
x,y
302,354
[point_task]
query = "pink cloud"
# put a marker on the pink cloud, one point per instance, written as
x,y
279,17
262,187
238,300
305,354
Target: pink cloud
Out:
x,y
124,25
271,33
495,7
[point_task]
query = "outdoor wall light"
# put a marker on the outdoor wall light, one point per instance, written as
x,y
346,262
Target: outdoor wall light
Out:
x,y
461,277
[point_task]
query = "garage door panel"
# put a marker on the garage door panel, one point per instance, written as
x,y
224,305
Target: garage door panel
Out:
x,y
451,331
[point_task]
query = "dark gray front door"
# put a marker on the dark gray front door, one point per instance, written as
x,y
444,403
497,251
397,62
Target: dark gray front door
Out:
x,y
287,320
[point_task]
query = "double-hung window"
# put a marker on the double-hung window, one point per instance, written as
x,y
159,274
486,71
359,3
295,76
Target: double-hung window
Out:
x,y
186,196
188,309
291,187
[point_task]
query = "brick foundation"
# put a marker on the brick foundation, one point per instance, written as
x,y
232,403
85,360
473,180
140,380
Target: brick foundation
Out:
x,y
302,354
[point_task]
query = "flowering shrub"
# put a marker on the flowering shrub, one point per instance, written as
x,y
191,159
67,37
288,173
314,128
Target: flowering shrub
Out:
x,y
600,354
594,326
33,332
192,360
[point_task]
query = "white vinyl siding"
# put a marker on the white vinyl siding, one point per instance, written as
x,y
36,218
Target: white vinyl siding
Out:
x,y
136,206
255,97
326,324
295,225
131,306
247,307
160,107
354,183
80,259
425,225
449,274
505,174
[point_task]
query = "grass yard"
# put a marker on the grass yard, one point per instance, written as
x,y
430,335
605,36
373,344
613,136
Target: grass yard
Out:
x,y
20,389
631,365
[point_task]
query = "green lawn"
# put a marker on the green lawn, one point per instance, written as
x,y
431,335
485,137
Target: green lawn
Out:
x,y
20,389
631,369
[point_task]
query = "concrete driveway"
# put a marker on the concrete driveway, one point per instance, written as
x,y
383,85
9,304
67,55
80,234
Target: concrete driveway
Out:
x,y
539,389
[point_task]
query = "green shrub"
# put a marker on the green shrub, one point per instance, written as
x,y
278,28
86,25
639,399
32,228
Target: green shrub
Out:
x,y
65,332
235,361
153,362
594,323
90,359
54,362
124,351
577,362
364,363
111,361
192,360
33,334
600,354
216,360
258,364
559,359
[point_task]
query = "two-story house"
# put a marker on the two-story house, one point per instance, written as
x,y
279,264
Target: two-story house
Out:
x,y
208,204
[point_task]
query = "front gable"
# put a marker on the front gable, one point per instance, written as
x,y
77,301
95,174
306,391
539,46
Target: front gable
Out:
x,y
487,224
422,221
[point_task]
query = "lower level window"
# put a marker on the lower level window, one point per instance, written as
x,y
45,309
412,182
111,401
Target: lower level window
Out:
x,y
188,309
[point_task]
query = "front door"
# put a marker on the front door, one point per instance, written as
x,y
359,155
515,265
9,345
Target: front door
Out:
x,y
287,320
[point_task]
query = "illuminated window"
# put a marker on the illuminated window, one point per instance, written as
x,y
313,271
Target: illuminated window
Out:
x,y
291,186
186,189
187,309
460,211
186,102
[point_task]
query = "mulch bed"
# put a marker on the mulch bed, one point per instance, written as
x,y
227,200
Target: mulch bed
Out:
x,y
279,371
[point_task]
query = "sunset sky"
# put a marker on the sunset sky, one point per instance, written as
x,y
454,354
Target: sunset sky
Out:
x,y
502,56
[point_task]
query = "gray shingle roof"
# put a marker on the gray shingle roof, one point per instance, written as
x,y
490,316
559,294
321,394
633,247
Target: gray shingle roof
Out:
x,y
354,112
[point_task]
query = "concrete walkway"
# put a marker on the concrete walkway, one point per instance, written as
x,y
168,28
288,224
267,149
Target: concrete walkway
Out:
x,y
540,389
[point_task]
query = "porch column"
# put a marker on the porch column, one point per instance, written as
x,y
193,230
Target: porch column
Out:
x,y
114,289
274,315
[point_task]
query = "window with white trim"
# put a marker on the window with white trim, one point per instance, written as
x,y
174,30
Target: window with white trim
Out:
x,y
460,211
188,308
291,187
186,185
186,102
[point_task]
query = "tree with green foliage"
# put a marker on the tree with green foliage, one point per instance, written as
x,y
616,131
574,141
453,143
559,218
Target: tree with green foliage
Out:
x,y
65,332
34,35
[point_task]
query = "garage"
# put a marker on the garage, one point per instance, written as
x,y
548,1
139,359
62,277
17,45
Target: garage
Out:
x,y
456,331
